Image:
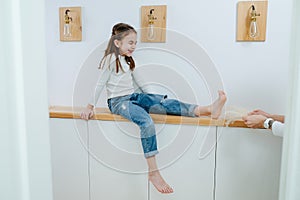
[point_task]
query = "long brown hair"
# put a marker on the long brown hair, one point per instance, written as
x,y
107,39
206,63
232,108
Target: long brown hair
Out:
x,y
119,31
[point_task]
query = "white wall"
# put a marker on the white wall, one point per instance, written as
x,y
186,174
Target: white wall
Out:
x,y
254,75
25,169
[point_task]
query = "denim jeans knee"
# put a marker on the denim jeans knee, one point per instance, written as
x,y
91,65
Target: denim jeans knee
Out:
x,y
136,108
126,107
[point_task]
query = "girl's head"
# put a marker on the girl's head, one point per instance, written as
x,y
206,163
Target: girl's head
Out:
x,y
122,42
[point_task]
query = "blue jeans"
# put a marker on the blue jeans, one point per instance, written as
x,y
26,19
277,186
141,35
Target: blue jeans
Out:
x,y
136,108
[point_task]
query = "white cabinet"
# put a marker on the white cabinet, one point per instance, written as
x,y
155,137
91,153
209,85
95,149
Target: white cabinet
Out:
x,y
248,164
104,160
69,156
187,161
117,165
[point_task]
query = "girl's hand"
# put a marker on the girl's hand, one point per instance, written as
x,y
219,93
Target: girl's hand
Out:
x,y
87,113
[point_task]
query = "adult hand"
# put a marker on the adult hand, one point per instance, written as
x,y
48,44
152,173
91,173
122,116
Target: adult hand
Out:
x,y
259,112
254,121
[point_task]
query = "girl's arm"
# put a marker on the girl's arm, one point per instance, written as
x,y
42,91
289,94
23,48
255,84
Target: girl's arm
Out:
x,y
88,112
99,86
139,81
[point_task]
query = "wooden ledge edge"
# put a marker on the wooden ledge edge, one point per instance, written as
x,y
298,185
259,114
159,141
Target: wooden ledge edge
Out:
x,y
67,112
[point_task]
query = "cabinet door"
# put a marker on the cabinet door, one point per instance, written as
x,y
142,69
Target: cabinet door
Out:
x,y
248,164
69,159
187,162
117,164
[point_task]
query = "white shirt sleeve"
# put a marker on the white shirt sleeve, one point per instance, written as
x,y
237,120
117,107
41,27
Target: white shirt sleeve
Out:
x,y
142,81
137,79
278,128
104,77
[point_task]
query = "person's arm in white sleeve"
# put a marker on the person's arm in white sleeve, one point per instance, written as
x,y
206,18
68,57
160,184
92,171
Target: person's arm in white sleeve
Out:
x,y
260,121
278,128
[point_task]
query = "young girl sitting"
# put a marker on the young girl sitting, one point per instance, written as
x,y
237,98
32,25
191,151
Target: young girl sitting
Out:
x,y
118,65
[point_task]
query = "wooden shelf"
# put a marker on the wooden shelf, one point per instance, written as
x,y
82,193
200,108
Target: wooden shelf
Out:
x,y
105,115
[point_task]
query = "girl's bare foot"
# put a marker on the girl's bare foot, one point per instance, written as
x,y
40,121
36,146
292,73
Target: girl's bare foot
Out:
x,y
217,106
159,183
215,109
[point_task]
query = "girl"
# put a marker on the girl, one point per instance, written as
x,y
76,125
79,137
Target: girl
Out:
x,y
118,66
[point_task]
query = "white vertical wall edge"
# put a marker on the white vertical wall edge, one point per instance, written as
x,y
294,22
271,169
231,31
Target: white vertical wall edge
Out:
x,y
290,172
25,154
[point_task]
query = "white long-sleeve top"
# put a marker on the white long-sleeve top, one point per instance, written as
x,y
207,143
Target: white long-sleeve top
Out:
x,y
278,128
117,84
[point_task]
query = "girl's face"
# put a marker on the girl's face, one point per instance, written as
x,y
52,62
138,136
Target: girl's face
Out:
x,y
127,45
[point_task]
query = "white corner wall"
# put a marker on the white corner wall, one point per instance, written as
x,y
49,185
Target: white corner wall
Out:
x,y
25,166
290,164
254,74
